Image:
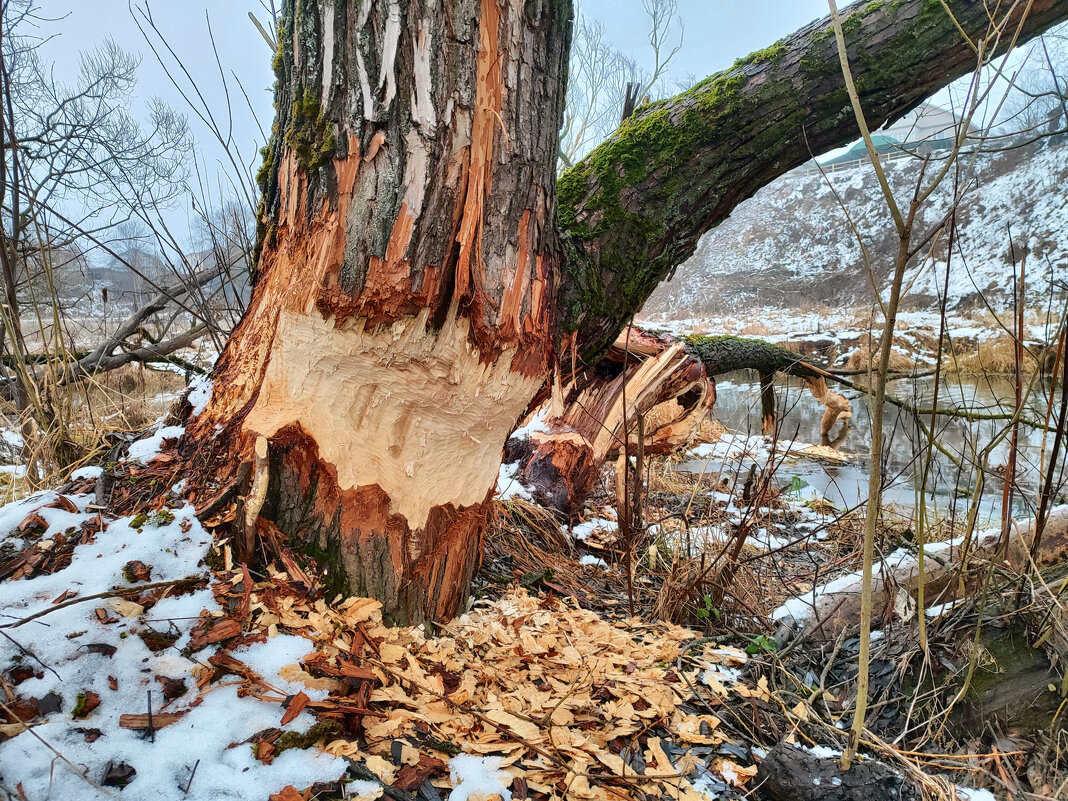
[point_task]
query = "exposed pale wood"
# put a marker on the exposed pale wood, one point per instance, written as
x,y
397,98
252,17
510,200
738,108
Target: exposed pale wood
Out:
x,y
425,413
401,318
256,495
413,284
567,458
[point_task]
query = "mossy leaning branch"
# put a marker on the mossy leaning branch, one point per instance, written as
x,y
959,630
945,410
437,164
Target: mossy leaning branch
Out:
x,y
634,209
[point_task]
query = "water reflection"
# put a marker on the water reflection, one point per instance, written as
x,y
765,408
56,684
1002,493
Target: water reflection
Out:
x,y
948,486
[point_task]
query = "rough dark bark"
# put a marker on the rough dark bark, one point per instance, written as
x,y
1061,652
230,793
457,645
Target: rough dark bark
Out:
x,y
413,285
402,312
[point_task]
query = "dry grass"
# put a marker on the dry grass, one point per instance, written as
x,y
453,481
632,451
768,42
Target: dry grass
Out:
x,y
990,356
755,329
866,358
84,420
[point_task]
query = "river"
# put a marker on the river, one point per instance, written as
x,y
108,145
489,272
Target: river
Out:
x,y
949,488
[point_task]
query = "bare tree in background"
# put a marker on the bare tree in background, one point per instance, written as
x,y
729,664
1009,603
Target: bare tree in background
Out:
x,y
86,180
599,75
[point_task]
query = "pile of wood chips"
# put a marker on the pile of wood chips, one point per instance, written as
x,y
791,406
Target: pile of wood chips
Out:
x,y
575,706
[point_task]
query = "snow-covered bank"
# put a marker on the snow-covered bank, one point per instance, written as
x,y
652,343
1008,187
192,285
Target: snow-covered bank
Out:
x,y
791,246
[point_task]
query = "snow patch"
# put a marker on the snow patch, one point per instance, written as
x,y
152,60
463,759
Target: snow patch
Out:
x,y
145,449
199,394
477,777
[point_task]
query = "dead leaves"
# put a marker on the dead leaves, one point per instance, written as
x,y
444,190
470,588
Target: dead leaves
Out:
x,y
556,690
140,722
212,630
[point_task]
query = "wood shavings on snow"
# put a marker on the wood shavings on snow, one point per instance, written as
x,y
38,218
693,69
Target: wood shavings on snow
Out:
x,y
556,692
270,690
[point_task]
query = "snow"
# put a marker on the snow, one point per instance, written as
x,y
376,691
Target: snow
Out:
x,y
199,394
509,485
902,562
590,559
93,471
15,512
205,732
740,446
12,438
583,530
972,794
939,609
477,777
536,425
821,751
792,243
268,659
144,449
704,785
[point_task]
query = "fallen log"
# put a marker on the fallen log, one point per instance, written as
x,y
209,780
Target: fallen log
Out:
x,y
825,610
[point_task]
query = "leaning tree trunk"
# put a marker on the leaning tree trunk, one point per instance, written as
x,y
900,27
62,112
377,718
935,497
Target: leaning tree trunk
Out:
x,y
412,283
402,315
583,425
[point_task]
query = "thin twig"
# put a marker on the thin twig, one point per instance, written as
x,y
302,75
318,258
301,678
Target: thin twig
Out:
x,y
109,594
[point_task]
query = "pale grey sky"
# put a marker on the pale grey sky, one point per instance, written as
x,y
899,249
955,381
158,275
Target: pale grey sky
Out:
x,y
716,33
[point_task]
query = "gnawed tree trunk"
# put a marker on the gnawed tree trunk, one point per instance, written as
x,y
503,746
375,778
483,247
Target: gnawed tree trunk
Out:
x,y
585,423
402,315
586,420
412,283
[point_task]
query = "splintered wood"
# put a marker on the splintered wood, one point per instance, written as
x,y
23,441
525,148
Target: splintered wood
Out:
x,y
574,706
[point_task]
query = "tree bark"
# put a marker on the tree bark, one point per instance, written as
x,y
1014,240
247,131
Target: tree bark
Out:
x,y
832,607
564,459
402,313
413,284
601,406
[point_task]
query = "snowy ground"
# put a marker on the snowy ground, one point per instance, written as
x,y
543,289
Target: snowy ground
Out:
x,y
95,650
82,673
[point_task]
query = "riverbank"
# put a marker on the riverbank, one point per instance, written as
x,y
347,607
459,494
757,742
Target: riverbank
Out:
x,y
973,343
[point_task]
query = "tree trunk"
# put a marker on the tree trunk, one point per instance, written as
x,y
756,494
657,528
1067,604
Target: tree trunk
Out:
x,y
412,283
640,372
635,208
402,315
565,457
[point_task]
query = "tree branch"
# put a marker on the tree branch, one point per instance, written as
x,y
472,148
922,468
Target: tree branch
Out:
x,y
635,208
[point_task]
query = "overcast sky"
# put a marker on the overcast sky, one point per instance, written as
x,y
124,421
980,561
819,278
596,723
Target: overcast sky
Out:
x,y
715,33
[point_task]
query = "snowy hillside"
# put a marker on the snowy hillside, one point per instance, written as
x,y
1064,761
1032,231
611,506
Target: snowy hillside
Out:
x,y
791,245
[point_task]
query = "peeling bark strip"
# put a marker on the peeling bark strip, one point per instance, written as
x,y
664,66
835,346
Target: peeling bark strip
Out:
x,y
402,315
640,372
